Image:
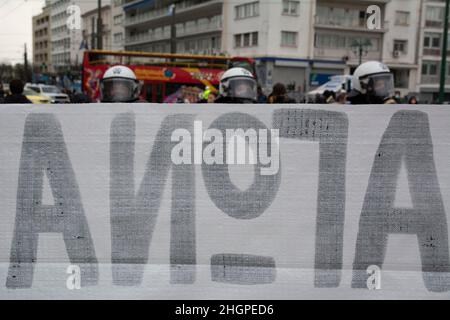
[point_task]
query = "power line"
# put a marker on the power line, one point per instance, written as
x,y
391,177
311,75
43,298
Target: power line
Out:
x,y
16,7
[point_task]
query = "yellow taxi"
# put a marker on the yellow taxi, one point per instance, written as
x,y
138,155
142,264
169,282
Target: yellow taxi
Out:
x,y
34,97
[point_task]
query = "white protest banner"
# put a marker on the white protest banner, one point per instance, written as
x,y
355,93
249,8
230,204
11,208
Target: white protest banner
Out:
x,y
224,202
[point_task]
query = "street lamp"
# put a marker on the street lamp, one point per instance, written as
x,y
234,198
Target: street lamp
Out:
x,y
173,29
361,48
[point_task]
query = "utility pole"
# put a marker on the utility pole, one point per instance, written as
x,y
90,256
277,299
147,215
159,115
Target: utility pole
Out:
x,y
25,65
99,26
173,30
444,54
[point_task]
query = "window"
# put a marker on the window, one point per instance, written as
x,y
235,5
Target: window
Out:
x,y
118,19
352,18
338,41
429,68
291,7
118,37
432,41
288,38
254,38
402,18
237,40
401,46
247,10
435,14
246,39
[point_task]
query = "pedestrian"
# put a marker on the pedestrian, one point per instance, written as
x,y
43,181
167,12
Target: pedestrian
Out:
x,y
16,96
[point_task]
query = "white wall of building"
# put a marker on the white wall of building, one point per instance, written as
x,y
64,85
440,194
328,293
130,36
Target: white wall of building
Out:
x,y
66,43
269,23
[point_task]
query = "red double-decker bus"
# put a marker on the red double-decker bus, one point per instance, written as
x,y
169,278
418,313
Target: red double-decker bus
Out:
x,y
163,75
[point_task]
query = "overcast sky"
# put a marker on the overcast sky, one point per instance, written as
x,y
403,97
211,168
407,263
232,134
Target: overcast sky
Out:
x,y
15,28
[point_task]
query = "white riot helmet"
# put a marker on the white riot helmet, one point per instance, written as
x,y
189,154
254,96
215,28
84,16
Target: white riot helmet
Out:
x,y
119,84
375,80
238,84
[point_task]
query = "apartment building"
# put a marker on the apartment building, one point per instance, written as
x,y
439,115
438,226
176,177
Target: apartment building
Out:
x,y
117,26
90,24
42,53
303,42
66,51
431,37
198,26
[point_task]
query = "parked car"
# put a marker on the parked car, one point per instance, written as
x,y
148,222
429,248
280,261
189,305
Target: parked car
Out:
x,y
52,92
35,97
336,84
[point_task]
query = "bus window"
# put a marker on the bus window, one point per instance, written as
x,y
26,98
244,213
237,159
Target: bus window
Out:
x,y
155,92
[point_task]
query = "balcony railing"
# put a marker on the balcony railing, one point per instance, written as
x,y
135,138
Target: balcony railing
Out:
x,y
181,32
434,24
355,24
434,52
162,12
433,80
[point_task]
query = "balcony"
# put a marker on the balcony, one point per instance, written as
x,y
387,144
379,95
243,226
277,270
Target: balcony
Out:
x,y
186,10
147,37
181,32
347,25
433,79
434,52
434,24
339,54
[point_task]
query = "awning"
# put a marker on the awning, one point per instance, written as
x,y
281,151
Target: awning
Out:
x,y
139,5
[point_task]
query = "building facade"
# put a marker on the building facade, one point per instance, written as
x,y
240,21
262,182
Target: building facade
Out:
x,y
431,37
42,52
90,20
198,26
66,42
301,43
117,29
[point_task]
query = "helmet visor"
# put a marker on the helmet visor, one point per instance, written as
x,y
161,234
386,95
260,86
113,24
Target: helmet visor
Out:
x,y
242,88
118,90
381,85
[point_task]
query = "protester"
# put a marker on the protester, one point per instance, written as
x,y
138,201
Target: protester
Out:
x,y
79,97
412,100
342,98
329,96
262,98
2,93
279,94
211,98
319,99
16,96
398,97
